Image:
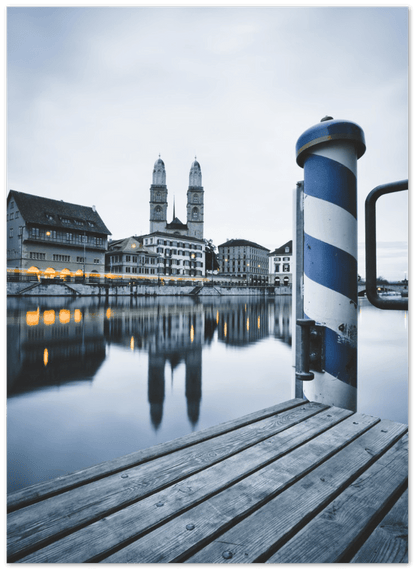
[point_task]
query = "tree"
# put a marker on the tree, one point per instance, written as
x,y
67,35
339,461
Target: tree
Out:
x,y
211,261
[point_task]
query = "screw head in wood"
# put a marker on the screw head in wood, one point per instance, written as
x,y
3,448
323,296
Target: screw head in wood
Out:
x,y
190,526
227,554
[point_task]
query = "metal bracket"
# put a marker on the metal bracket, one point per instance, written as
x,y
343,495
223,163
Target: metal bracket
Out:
x,y
316,348
305,330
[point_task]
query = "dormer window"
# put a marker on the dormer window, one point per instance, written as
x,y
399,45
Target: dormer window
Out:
x,y
49,216
90,223
287,249
65,220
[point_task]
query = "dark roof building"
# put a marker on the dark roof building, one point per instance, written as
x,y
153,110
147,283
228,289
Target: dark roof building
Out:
x,y
53,237
57,213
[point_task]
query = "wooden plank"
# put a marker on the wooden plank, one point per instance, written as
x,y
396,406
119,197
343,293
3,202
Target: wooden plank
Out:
x,y
43,490
104,536
174,541
33,525
389,541
257,536
332,535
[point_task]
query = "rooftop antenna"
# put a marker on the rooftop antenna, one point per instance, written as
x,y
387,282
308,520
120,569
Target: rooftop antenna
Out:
x,y
174,207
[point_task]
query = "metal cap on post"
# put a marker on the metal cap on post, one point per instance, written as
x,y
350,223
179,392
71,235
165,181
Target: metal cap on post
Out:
x,y
328,153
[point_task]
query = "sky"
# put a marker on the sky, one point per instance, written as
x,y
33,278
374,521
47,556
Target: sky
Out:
x,y
95,94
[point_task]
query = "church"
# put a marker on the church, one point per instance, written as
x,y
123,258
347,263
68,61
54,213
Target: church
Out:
x,y
179,247
194,226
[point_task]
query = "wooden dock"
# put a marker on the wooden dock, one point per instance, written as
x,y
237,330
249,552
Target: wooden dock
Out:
x,y
299,482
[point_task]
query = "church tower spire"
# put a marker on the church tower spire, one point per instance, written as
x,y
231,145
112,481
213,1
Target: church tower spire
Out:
x,y
158,197
195,204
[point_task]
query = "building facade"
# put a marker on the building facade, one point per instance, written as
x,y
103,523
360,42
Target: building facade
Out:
x,y
177,255
53,237
194,226
244,259
280,265
127,256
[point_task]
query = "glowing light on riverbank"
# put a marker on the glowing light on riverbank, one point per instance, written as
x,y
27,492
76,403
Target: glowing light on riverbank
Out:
x,y
49,317
64,316
192,334
45,357
132,343
108,313
32,317
77,315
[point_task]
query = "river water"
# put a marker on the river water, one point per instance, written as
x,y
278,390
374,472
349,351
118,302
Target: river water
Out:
x,y
90,380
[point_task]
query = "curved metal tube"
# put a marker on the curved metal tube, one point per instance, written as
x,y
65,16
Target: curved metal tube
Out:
x,y
370,246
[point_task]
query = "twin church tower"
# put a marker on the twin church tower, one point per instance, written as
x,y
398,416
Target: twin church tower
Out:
x,y
194,226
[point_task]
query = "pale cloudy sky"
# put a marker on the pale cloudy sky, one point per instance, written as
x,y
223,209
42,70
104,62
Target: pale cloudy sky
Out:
x,y
95,94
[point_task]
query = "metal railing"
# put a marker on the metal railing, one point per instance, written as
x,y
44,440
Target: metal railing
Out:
x,y
371,244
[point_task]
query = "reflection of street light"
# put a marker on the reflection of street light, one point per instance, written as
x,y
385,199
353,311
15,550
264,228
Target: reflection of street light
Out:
x,y
84,239
21,249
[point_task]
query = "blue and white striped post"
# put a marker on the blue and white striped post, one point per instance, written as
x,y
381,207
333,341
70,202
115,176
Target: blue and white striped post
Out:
x,y
328,153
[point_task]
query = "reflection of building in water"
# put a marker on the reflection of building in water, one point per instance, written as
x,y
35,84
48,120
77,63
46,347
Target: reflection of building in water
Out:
x,y
283,318
172,334
48,347
243,323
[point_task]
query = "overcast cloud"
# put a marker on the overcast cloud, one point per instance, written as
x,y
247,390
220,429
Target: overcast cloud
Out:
x,y
95,94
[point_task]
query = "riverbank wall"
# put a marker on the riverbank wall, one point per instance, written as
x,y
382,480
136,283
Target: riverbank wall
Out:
x,y
21,289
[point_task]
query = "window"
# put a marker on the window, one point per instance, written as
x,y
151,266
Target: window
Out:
x,y
69,237
286,259
61,258
11,216
286,267
96,260
11,233
195,213
195,198
128,258
80,259
37,256
35,232
11,204
128,270
287,249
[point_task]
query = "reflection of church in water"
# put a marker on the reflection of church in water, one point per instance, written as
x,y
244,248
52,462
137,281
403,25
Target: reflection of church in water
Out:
x,y
50,346
172,334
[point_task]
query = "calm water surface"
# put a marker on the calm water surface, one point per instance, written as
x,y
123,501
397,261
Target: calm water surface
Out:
x,y
90,380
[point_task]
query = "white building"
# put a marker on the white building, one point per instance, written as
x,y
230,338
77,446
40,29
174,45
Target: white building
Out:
x,y
280,265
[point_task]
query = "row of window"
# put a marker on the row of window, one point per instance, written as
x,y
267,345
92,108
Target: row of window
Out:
x,y
285,259
175,252
13,215
64,236
174,243
286,268
58,257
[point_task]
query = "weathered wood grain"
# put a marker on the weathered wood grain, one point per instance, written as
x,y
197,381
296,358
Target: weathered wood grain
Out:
x,y
174,541
43,490
389,541
332,534
258,535
108,533
32,526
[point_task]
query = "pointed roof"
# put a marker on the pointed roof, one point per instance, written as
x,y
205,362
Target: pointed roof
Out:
x,y
195,175
282,250
57,213
159,173
130,245
176,224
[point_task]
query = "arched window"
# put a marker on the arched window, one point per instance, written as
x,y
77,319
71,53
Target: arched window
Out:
x,y
195,198
285,280
195,213
158,212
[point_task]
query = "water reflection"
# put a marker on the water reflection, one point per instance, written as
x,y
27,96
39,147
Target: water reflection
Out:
x,y
53,341
90,380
